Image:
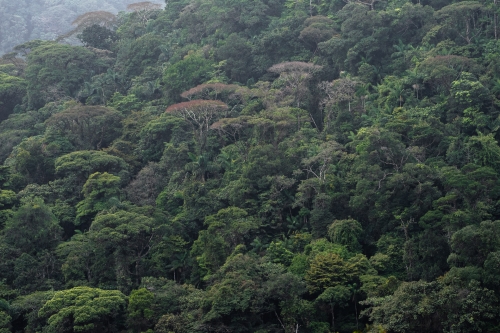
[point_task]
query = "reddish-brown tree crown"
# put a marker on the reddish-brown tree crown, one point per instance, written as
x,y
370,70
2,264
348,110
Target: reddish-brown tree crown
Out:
x,y
197,104
208,87
143,6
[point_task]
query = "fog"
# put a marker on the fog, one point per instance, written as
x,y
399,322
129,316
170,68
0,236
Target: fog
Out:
x,y
24,20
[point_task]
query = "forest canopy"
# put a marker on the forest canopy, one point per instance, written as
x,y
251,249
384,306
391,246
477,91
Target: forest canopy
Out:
x,y
251,166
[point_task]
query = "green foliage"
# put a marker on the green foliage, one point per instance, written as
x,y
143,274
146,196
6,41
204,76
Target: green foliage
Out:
x,y
137,54
155,134
54,71
32,228
7,200
81,164
318,29
125,240
12,90
98,36
458,19
84,309
4,322
29,236
346,232
435,307
244,287
192,70
253,166
327,270
227,229
472,244
97,191
32,160
236,52
125,104
139,310
27,307
86,127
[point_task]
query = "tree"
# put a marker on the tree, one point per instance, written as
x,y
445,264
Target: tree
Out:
x,y
338,295
139,310
468,92
143,6
103,86
26,246
55,71
7,200
277,44
46,20
472,245
327,270
210,91
84,309
245,17
294,76
12,90
78,261
200,114
98,191
227,229
244,289
87,127
404,311
147,185
33,228
440,71
318,29
156,133
136,55
364,34
81,164
236,52
26,308
98,37
32,161
434,307
128,238
189,72
312,192
319,164
346,232
144,10
90,20
4,322
336,93
234,130
462,18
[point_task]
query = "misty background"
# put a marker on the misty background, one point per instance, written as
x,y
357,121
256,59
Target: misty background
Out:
x,y
24,20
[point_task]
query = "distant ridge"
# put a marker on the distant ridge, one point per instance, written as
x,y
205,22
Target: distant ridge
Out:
x,y
24,20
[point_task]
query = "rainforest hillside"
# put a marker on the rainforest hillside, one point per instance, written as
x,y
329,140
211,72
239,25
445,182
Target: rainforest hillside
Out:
x,y
24,20
254,166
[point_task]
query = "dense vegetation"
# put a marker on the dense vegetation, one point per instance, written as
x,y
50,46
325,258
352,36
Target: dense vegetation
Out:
x,y
255,166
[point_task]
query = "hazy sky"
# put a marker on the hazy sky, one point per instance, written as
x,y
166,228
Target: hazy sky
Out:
x,y
23,20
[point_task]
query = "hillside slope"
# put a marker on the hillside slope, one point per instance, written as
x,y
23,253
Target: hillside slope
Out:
x,y
255,166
